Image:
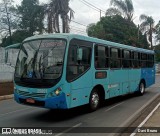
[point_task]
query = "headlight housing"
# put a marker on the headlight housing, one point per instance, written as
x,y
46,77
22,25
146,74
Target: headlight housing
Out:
x,y
56,92
16,90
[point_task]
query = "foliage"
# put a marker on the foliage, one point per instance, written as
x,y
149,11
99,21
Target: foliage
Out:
x,y
157,52
157,27
32,16
59,9
17,37
147,26
117,29
121,7
8,22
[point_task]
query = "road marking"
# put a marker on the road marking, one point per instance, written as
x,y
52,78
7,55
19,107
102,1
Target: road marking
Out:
x,y
114,106
13,112
132,117
67,130
146,119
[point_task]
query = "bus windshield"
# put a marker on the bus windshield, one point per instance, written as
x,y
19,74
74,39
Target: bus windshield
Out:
x,y
40,59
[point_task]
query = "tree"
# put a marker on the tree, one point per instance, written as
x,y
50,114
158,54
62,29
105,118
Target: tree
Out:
x,y
157,27
32,16
17,37
96,30
147,26
117,29
124,8
157,53
59,9
8,22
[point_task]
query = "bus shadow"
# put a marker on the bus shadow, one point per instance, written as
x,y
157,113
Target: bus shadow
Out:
x,y
62,115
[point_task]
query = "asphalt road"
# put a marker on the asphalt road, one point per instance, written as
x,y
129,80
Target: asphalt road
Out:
x,y
116,112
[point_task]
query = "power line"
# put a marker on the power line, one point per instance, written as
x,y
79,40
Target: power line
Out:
x,y
93,5
78,30
89,6
28,20
78,27
78,23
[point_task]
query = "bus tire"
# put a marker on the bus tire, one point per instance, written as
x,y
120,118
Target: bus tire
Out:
x,y
141,89
94,100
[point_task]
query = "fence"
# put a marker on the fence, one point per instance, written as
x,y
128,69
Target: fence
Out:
x,y
7,70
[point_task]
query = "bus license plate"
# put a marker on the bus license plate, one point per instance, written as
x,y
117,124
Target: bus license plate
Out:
x,y
30,100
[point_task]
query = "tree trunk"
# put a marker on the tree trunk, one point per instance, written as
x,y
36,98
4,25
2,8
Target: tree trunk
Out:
x,y
151,37
57,24
63,24
9,24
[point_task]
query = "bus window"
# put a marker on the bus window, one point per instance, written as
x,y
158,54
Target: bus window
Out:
x,y
76,67
135,60
115,61
126,59
143,60
150,62
101,57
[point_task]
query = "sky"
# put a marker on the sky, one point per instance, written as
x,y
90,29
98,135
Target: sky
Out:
x,y
86,15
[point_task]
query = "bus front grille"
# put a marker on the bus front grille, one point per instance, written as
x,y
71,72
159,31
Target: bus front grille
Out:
x,y
32,95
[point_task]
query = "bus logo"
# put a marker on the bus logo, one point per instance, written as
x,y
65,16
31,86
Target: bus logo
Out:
x,y
30,74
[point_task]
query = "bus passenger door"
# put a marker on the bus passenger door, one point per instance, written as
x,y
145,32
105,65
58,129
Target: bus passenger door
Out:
x,y
79,71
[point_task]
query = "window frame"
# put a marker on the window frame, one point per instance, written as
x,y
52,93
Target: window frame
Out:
x,y
106,57
119,58
127,59
80,43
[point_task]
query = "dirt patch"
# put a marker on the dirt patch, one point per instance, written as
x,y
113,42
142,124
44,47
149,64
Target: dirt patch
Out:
x,y
6,88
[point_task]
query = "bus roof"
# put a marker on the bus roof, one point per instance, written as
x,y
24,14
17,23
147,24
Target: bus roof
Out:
x,y
87,38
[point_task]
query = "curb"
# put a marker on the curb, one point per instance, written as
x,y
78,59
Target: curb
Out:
x,y
139,112
5,97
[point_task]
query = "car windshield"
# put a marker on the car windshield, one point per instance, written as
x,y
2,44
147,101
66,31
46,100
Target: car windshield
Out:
x,y
41,59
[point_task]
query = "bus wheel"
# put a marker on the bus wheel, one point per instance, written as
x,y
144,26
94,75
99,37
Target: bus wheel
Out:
x,y
141,88
94,100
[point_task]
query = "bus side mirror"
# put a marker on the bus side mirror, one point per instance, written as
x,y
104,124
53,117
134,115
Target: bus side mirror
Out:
x,y
79,54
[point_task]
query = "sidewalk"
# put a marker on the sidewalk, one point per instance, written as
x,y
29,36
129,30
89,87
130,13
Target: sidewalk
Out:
x,y
5,97
153,121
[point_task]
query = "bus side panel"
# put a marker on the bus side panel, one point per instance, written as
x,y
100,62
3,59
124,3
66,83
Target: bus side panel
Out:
x,y
134,79
102,81
80,89
148,74
118,82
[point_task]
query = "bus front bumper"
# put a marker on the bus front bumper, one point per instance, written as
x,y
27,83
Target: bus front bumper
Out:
x,y
57,102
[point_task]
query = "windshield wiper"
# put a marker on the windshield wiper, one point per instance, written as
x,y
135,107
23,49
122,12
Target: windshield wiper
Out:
x,y
32,62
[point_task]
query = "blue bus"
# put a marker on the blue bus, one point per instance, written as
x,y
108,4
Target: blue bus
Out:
x,y
62,71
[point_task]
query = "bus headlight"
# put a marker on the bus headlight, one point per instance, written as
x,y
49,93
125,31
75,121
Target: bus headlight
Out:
x,y
55,92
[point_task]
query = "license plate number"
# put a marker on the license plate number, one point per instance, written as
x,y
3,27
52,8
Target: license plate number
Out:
x,y
30,100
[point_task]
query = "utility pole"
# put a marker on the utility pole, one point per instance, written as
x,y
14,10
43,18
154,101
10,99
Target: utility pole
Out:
x,y
100,14
138,32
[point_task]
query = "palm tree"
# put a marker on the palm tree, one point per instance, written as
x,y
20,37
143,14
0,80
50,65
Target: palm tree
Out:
x,y
147,26
59,9
124,8
158,31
